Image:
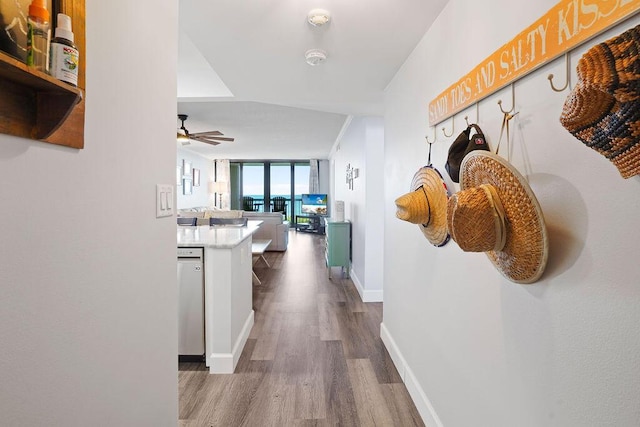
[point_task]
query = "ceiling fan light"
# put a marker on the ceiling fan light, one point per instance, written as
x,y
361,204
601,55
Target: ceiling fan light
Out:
x,y
318,17
315,56
182,137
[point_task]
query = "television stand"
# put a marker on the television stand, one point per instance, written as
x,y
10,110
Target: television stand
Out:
x,y
313,224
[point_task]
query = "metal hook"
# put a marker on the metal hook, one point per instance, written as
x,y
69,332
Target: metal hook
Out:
x,y
510,116
466,118
513,102
550,76
434,136
453,128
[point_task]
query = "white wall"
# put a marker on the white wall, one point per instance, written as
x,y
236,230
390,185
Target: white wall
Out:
x,y
361,146
374,176
200,195
480,350
88,307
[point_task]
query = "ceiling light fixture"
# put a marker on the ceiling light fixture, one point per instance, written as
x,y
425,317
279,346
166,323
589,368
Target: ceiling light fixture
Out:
x,y
318,17
315,56
183,133
182,138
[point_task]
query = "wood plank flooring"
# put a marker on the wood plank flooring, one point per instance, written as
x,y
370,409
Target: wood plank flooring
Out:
x,y
314,356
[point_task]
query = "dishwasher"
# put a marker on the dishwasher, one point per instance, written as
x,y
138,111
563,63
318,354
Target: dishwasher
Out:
x,y
191,341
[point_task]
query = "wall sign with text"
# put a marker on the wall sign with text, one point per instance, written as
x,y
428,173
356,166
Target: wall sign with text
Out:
x,y
565,26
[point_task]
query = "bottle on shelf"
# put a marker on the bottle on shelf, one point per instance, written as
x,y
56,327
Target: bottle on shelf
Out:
x,y
38,36
63,64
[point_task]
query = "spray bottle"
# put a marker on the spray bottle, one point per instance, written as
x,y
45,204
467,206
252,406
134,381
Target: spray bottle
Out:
x,y
64,58
38,35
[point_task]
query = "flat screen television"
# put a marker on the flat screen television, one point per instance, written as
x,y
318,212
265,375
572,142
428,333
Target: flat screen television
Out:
x,y
314,204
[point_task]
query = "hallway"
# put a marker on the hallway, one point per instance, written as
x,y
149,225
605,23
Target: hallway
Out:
x,y
314,356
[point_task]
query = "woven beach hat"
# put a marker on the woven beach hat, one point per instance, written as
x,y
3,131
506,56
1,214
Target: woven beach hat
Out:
x,y
426,205
476,219
496,212
603,110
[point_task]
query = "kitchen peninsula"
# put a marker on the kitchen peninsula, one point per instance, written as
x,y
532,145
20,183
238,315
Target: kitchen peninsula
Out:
x,y
228,309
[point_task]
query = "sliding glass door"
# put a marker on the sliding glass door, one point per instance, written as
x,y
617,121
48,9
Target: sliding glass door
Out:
x,y
280,188
253,187
301,178
267,183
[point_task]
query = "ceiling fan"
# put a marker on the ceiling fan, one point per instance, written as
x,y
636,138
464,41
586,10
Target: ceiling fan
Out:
x,y
211,137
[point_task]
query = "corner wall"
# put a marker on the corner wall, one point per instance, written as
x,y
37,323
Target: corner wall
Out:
x,y
361,147
474,348
88,313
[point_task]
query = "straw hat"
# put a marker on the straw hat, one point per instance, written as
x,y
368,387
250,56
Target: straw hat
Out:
x,y
603,110
426,205
497,213
476,219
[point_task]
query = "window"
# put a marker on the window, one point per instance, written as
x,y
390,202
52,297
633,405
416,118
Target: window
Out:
x,y
253,184
264,180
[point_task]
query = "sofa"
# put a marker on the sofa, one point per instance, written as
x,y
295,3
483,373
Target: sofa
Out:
x,y
273,226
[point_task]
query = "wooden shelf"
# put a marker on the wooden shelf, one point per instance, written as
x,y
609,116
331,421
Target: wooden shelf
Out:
x,y
32,104
35,105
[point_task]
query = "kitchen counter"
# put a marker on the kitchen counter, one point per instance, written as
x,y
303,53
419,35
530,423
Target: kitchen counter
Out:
x,y
228,301
221,237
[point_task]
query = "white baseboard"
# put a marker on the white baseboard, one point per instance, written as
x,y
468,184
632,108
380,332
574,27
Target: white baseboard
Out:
x,y
225,363
420,399
365,295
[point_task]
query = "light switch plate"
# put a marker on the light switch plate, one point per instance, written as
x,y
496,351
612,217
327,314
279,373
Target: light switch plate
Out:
x,y
164,200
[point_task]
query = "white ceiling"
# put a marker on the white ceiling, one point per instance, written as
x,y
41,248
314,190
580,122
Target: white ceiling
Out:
x,y
242,70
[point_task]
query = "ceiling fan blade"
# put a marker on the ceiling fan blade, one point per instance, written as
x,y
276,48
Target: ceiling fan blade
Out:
x,y
205,140
210,138
212,132
218,138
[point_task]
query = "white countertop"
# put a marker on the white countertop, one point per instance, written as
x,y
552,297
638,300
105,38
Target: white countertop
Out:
x,y
221,237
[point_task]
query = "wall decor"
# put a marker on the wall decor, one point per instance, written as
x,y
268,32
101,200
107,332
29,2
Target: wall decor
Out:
x,y
186,168
196,177
352,173
187,187
349,176
564,27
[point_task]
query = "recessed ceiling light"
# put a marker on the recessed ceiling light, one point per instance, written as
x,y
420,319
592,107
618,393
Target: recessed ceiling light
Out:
x,y
318,17
315,56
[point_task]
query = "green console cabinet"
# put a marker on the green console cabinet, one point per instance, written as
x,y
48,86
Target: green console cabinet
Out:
x,y
338,244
